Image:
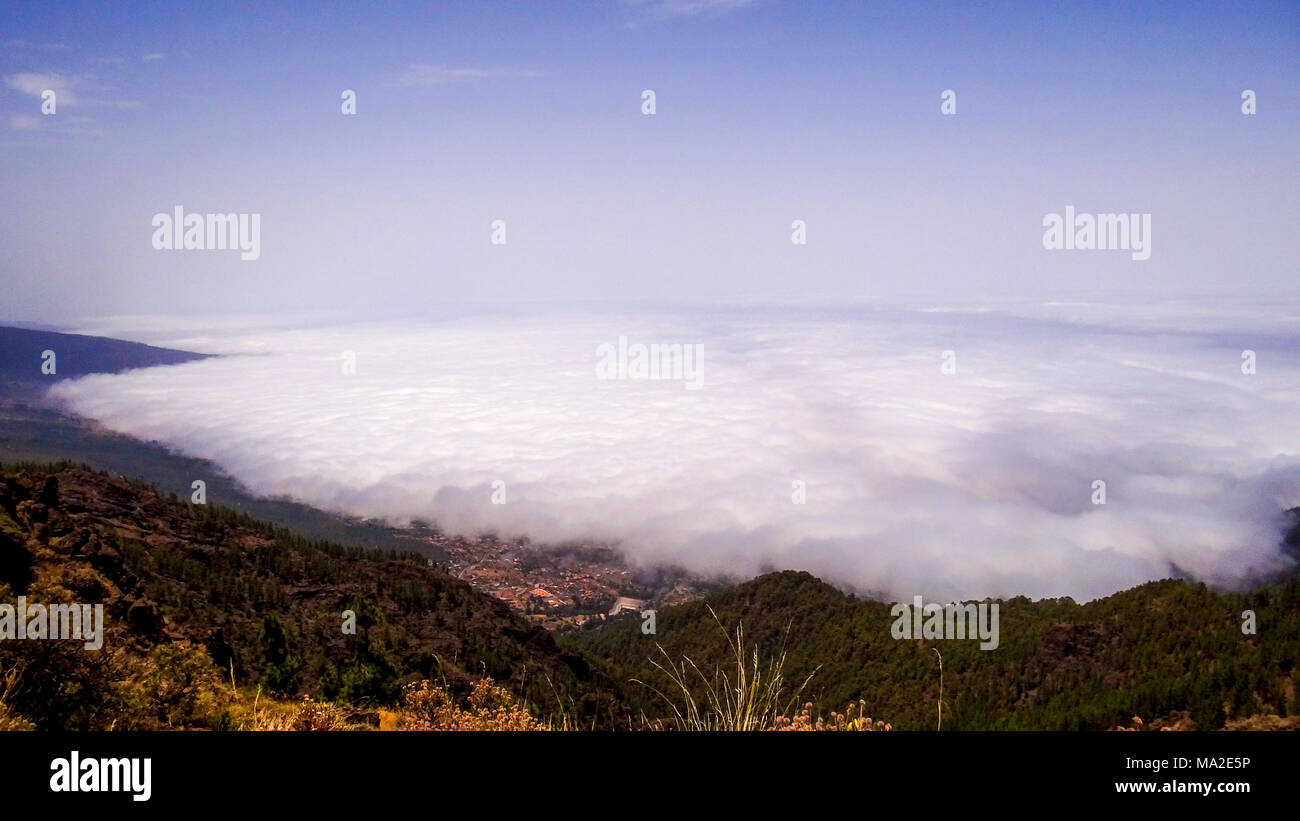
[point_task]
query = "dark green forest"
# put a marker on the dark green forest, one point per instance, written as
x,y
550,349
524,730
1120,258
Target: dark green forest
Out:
x,y
1164,650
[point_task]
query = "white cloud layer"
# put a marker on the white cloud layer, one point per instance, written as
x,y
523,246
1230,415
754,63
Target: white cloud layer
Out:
x,y
966,485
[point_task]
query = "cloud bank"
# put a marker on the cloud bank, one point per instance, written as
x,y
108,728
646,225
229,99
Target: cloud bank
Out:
x,y
974,483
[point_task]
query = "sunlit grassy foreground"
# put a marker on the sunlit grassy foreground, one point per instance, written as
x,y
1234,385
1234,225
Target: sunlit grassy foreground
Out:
x,y
752,696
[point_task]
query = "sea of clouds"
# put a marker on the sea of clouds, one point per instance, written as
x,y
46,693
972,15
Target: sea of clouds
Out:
x,y
918,482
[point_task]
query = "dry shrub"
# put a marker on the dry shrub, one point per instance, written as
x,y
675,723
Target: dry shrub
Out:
x,y
180,687
489,707
9,718
853,719
313,716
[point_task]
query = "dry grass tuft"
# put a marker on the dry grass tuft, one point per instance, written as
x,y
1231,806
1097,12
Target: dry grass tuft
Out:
x,y
753,697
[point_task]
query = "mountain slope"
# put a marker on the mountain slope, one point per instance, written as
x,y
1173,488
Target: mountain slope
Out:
x,y
22,349
1167,650
265,605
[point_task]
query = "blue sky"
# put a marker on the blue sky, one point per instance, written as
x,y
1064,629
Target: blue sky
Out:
x,y
767,112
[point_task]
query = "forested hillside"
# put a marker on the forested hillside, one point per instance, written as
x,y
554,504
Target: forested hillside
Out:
x,y
1170,652
199,598
195,594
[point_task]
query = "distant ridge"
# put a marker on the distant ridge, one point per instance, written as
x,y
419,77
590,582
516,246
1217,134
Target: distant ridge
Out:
x,y
35,326
76,355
